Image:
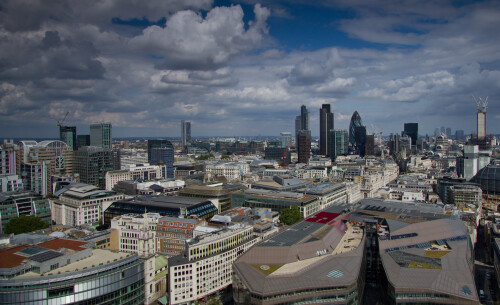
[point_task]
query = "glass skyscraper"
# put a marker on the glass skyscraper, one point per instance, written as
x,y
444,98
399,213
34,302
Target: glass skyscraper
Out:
x,y
100,135
325,125
67,134
162,151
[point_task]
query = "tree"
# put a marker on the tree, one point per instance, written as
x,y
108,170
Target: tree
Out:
x,y
214,301
291,215
204,157
24,224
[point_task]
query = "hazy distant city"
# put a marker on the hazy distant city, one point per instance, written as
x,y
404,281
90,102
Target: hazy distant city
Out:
x,y
243,152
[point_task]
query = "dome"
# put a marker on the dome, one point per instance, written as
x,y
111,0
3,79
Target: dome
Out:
x,y
489,179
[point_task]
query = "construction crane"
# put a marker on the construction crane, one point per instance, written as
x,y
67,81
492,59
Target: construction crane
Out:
x,y
59,123
481,104
284,153
376,131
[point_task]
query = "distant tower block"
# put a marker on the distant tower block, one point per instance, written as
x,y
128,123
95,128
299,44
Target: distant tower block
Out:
x,y
481,116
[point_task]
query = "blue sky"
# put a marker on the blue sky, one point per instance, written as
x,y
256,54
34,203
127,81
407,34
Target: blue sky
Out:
x,y
245,67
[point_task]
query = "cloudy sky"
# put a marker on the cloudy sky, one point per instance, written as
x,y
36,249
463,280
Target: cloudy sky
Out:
x,y
245,68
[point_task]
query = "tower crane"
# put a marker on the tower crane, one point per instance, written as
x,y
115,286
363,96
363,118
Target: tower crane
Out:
x,y
60,122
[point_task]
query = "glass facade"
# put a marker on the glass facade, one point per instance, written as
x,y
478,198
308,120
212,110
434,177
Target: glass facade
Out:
x,y
119,282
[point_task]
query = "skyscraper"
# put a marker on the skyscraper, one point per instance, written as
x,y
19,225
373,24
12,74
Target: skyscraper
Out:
x,y
339,143
355,122
304,118
185,133
67,134
459,134
370,145
448,132
481,122
100,135
360,140
325,125
162,151
92,163
304,146
285,138
411,130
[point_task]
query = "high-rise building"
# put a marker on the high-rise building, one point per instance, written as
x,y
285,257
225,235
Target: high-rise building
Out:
x,y
304,146
394,145
8,162
297,127
448,132
370,145
67,134
92,163
83,140
339,143
355,121
285,138
411,130
459,135
304,118
436,132
185,133
481,122
360,140
100,135
162,152
325,125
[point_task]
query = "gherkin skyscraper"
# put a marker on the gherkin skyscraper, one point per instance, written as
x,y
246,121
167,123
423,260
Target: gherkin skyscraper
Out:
x,y
355,122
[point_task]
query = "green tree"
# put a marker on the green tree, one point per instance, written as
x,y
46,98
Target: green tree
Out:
x,y
214,301
291,215
24,224
225,157
204,157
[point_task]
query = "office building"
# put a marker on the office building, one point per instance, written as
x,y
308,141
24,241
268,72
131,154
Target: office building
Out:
x,y
142,172
465,194
17,203
11,183
134,233
304,118
411,130
63,271
285,139
481,122
172,234
325,125
219,193
448,132
206,266
80,203
360,140
320,260
100,135
173,206
162,152
468,164
355,122
83,140
459,135
304,146
8,162
276,200
185,133
370,145
229,170
92,163
67,134
279,153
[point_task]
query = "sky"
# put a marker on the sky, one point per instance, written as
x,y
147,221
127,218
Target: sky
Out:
x,y
243,68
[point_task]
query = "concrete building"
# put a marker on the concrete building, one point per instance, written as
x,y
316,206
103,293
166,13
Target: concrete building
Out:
x,y
134,233
304,146
232,171
15,204
206,266
11,183
62,271
81,203
172,233
101,135
328,193
8,161
144,172
465,194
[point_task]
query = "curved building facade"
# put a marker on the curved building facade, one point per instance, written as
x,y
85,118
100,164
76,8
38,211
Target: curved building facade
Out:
x,y
355,122
77,275
489,178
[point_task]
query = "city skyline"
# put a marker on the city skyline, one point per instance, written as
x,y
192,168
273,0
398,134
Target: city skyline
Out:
x,y
244,68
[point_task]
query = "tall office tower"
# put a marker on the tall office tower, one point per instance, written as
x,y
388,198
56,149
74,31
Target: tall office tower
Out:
x,y
360,140
459,134
185,133
304,118
355,122
411,130
92,163
448,132
481,121
339,143
370,145
436,132
443,130
285,138
325,125
162,152
304,146
67,134
394,145
83,140
100,135
468,165
297,126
